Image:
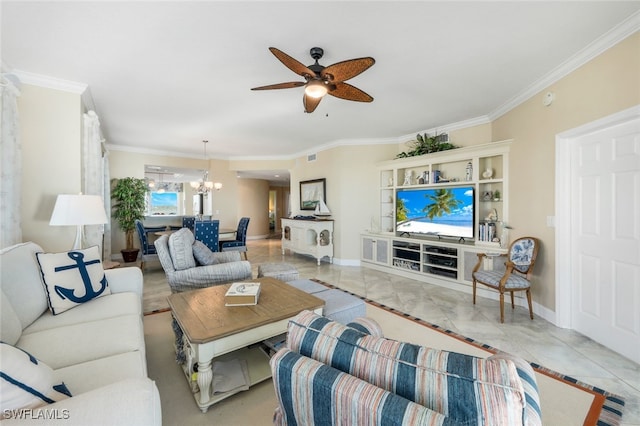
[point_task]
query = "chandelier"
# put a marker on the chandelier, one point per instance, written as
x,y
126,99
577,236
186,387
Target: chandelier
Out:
x,y
204,186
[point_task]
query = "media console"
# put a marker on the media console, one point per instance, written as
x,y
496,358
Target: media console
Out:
x,y
429,260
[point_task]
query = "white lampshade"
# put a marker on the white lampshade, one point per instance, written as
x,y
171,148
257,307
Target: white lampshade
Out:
x,y
78,210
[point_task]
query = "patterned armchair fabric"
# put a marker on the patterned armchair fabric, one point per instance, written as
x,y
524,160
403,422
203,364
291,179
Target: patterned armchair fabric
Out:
x,y
229,269
338,398
522,254
207,231
240,243
452,388
516,277
147,250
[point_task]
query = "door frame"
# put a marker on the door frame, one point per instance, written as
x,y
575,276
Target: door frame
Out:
x,y
565,144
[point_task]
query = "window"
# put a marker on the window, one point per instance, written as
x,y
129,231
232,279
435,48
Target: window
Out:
x,y
163,203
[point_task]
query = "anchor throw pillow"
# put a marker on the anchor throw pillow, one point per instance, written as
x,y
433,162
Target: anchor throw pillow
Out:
x,y
72,278
26,382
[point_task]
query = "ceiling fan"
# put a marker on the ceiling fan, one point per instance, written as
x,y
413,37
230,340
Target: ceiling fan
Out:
x,y
321,80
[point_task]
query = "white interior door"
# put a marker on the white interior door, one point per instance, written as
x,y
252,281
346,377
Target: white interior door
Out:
x,y
605,237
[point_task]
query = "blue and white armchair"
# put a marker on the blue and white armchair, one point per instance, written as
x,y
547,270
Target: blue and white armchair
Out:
x,y
517,275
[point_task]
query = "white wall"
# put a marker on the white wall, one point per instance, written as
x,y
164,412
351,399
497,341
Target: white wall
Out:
x,y
51,129
253,202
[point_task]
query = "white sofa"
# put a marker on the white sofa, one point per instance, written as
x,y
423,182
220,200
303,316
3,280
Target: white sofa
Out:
x,y
96,348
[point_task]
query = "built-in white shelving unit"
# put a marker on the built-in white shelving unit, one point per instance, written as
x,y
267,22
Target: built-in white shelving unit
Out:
x,y
485,168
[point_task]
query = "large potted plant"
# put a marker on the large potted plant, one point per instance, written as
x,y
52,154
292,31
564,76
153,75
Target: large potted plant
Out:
x,y
129,196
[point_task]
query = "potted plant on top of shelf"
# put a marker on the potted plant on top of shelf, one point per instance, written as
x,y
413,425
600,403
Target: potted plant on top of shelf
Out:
x,y
427,144
129,196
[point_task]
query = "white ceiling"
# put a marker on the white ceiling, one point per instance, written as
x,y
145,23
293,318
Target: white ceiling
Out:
x,y
163,76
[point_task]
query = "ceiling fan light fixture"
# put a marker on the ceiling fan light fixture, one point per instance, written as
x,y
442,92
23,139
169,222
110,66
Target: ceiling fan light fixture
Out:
x,y
316,89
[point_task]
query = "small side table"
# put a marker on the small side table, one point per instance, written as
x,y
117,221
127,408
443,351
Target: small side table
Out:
x,y
110,264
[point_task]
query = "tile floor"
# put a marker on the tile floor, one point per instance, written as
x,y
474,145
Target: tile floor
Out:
x,y
538,341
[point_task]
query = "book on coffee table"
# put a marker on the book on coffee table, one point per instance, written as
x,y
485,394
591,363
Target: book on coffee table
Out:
x,y
242,294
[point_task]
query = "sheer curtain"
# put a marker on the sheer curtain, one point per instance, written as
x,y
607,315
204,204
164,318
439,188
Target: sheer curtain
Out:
x,y
11,165
95,178
106,195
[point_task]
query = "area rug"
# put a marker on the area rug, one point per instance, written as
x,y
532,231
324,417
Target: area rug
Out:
x,y
564,400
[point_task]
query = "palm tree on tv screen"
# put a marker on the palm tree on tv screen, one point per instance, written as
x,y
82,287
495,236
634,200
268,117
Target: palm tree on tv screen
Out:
x,y
442,201
401,210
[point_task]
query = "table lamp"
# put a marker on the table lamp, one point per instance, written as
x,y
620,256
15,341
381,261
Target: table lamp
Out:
x,y
78,210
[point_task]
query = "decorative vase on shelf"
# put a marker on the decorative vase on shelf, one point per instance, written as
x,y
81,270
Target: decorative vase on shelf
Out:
x,y
504,237
408,174
487,174
375,226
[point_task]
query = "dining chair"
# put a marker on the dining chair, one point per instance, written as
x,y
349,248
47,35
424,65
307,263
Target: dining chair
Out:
x,y
240,243
208,231
188,221
147,249
516,276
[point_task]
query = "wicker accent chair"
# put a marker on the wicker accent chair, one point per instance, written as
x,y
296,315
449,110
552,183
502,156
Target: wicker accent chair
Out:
x,y
185,273
517,275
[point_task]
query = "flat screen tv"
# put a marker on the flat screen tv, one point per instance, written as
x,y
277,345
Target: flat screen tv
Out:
x,y
437,212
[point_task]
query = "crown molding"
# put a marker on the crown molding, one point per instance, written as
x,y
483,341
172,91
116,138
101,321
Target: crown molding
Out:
x,y
614,36
151,151
477,121
50,82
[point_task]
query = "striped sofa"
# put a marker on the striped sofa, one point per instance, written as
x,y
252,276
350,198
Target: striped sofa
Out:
x,y
330,373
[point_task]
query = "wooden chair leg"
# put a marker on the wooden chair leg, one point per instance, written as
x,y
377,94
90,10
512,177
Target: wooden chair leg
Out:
x,y
513,305
501,307
245,256
529,301
474,292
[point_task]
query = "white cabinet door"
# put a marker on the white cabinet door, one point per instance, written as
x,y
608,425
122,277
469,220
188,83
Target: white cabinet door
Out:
x,y
375,250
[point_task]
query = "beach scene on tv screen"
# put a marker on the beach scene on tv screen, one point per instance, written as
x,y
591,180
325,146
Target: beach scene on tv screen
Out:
x,y
441,211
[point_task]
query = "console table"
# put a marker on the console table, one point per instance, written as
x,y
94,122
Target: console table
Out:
x,y
314,237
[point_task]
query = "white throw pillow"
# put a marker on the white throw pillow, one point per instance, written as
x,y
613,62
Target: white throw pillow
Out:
x,y
26,382
72,278
180,243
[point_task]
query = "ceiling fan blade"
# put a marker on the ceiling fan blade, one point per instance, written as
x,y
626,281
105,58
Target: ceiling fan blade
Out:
x,y
292,64
289,85
350,93
345,70
310,103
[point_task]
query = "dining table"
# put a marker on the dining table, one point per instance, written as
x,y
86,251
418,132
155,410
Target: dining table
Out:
x,y
224,234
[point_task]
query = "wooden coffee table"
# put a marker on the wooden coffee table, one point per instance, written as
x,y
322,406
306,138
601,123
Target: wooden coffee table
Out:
x,y
212,329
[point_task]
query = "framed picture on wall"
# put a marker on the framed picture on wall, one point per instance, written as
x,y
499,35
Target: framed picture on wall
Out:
x,y
311,192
